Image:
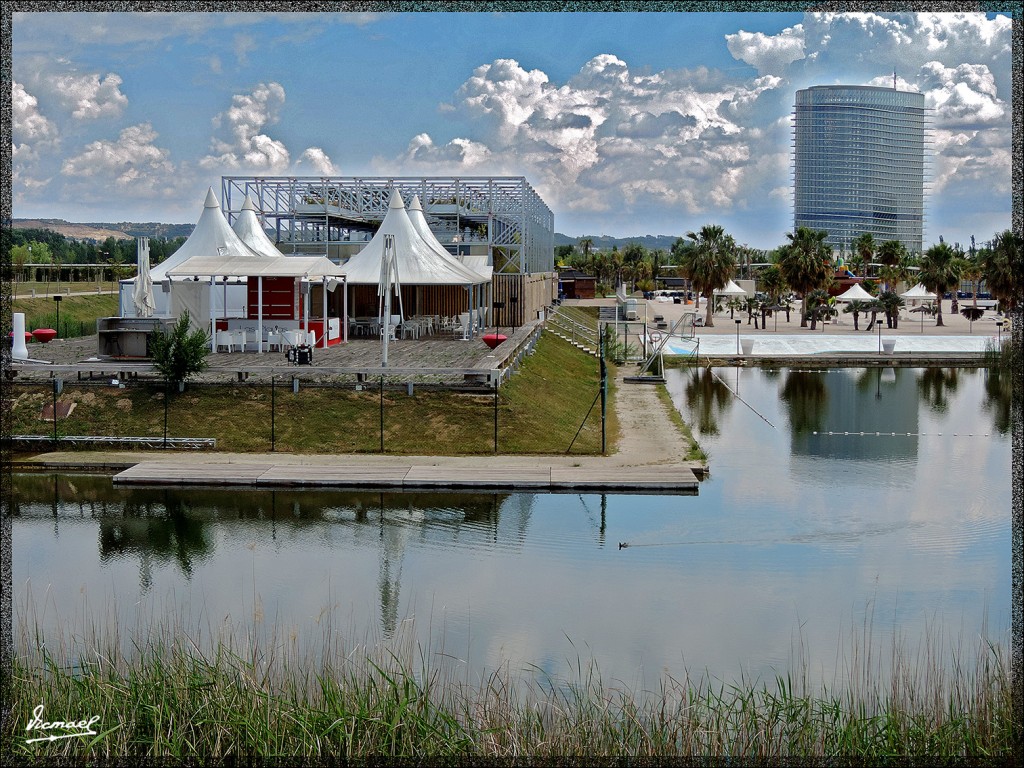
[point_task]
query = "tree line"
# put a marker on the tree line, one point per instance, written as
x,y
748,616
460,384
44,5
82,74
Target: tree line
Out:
x,y
64,255
805,265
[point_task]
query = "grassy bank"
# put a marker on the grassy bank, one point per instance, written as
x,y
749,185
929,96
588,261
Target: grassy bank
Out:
x,y
77,313
185,696
543,409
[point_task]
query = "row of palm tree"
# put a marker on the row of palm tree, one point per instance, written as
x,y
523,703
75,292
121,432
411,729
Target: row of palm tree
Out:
x,y
804,264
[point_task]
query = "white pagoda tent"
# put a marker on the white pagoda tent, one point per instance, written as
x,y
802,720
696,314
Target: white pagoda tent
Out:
x,y
249,230
419,220
212,236
433,282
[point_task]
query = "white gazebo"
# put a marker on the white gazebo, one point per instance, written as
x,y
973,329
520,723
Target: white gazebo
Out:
x,y
919,295
432,280
855,293
279,301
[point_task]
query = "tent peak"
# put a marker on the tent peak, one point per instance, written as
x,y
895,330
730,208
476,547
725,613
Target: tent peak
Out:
x,y
248,205
396,200
415,204
211,200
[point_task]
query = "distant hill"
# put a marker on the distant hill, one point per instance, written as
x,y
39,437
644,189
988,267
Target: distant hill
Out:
x,y
98,232
605,242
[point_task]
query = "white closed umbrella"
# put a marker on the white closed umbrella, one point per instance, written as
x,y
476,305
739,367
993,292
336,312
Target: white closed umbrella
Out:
x,y
142,293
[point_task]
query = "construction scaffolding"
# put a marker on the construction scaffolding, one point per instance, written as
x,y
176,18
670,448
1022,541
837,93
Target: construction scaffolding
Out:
x,y
501,218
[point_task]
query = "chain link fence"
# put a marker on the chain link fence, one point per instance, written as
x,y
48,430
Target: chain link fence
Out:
x,y
526,413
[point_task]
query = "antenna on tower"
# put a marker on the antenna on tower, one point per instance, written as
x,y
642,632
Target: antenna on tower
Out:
x,y
894,79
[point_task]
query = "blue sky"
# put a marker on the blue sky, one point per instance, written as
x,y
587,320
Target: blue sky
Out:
x,y
626,123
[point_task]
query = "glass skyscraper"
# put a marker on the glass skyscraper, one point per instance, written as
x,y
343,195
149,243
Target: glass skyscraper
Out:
x,y
858,163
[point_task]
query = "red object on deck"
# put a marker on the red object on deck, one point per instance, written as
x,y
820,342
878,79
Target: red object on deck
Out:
x,y
493,339
44,335
28,336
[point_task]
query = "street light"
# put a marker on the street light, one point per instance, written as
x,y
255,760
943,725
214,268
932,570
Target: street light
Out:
x,y
738,321
999,328
57,298
879,336
497,305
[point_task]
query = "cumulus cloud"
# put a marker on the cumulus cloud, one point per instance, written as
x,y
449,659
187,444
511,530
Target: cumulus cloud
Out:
x,y
88,96
317,159
30,129
768,53
245,146
133,162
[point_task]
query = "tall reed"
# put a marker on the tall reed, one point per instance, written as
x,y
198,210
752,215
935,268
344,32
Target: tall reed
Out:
x,y
173,685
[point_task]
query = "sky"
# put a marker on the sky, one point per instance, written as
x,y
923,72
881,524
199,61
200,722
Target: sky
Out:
x,y
626,124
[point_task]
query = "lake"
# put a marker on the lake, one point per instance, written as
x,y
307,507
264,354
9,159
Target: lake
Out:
x,y
817,526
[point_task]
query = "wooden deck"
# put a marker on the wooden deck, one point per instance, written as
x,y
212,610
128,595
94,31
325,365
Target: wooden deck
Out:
x,y
472,472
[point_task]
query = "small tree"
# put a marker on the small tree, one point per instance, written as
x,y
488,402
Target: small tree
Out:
x,y
180,353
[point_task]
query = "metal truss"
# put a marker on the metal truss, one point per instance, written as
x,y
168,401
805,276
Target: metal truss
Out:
x,y
502,216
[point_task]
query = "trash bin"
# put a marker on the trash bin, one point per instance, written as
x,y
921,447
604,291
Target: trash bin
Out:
x,y
747,345
888,345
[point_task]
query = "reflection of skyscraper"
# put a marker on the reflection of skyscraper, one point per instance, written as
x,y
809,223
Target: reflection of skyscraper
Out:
x,y
859,163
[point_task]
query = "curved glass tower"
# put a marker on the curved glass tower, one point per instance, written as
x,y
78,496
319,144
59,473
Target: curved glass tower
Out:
x,y
859,163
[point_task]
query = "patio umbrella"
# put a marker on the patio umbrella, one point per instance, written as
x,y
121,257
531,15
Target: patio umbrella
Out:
x,y
972,313
142,293
924,309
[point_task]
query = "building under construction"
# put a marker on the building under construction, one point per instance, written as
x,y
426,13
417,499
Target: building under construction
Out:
x,y
499,221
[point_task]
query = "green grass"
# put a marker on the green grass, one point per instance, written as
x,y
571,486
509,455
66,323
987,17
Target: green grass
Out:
x,y
201,691
78,314
540,411
695,452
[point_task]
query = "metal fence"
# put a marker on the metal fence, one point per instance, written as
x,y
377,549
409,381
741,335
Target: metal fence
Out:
x,y
378,414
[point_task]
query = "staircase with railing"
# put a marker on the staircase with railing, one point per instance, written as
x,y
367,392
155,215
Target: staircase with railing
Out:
x,y
581,336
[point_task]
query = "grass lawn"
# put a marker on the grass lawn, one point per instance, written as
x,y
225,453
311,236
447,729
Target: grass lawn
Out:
x,y
542,409
77,313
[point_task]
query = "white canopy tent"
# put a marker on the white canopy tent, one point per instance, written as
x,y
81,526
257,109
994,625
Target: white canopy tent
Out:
x,y
918,294
477,263
308,270
420,263
212,236
855,293
731,289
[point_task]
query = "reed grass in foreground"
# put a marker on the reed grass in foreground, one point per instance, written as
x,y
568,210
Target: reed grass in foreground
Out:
x,y
209,693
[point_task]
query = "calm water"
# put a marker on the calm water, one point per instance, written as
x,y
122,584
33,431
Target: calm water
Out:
x,y
798,539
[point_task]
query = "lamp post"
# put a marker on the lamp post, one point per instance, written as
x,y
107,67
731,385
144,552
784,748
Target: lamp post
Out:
x,y
57,298
514,301
999,329
497,305
738,321
879,336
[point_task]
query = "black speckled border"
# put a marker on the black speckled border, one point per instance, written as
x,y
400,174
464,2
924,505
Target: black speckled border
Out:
x,y
1016,8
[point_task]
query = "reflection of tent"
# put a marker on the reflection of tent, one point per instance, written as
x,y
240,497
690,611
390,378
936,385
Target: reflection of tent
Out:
x,y
142,291
855,293
433,281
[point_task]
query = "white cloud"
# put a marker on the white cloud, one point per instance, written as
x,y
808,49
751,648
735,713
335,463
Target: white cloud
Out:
x,y
133,162
246,147
29,127
318,160
88,96
767,53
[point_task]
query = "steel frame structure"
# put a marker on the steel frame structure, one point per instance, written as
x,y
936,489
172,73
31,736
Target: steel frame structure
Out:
x,y
313,213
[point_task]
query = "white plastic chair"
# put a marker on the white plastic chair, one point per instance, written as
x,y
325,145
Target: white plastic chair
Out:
x,y
224,339
238,340
275,339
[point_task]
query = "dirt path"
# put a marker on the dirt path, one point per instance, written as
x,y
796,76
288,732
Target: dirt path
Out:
x,y
646,434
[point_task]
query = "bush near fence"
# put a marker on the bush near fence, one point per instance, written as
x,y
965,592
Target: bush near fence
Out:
x,y
549,406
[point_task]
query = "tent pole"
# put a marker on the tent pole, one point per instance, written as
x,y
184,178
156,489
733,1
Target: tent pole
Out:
x,y
344,313
259,312
213,315
325,312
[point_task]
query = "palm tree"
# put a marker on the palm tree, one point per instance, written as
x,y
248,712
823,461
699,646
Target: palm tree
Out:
x,y
940,271
710,263
891,302
820,306
773,282
863,250
1002,267
806,263
855,308
893,255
